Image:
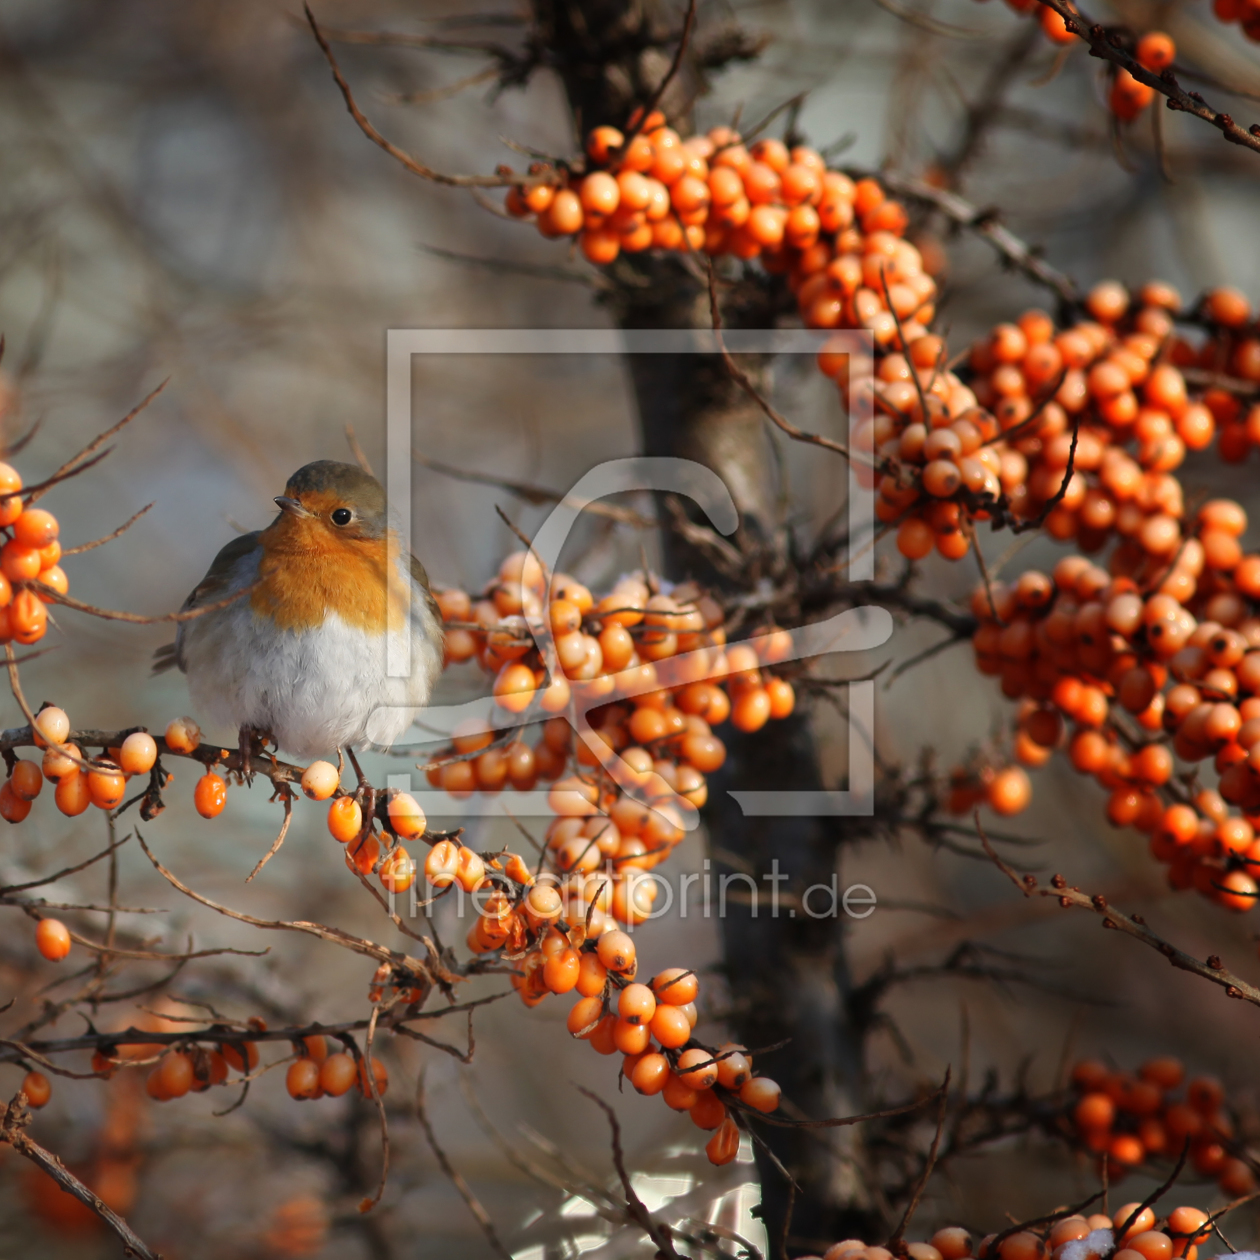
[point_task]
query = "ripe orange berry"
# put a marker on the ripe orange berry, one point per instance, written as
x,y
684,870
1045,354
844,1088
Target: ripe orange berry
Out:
x,y
72,796
514,688
441,863
106,784
592,975
210,795
60,760
52,939
302,1079
380,1076
406,817
650,1073
697,1068
1156,51
751,710
182,735
138,753
338,1074
470,870
616,951
584,1016
26,780
13,808
723,1146
733,1067
636,1005
675,986
35,528
782,697
175,1074
320,780
28,618
1010,791
561,971
345,818
760,1093
398,871
677,1096
37,1088
670,1026
18,563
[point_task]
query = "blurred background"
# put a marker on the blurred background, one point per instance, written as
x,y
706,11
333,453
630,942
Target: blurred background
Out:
x,y
184,198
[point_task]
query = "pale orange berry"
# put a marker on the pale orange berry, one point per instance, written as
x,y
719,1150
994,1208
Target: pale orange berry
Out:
x,y
345,820
107,785
406,817
52,939
52,726
210,795
183,735
37,1088
138,753
320,780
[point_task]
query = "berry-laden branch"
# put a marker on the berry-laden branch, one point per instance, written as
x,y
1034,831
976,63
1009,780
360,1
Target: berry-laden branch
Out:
x,y
1131,925
12,1131
1107,47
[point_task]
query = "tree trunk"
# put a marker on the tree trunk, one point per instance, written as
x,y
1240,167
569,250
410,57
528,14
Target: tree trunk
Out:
x,y
788,976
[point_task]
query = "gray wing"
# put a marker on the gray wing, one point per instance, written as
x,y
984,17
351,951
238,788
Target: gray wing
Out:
x,y
215,585
421,579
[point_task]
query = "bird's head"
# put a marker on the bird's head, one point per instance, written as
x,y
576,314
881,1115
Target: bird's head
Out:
x,y
326,504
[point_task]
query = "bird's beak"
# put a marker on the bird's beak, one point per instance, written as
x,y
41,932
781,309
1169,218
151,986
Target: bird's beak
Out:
x,y
291,505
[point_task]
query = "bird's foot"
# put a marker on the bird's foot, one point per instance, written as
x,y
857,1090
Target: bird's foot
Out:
x,y
358,769
251,741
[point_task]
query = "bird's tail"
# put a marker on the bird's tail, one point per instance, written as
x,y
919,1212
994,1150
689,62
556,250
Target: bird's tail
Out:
x,y
166,657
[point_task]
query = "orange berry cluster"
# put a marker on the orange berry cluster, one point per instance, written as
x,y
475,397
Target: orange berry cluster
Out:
x,y
1245,12
80,780
1128,1119
29,552
650,1025
1151,666
1143,1235
1100,400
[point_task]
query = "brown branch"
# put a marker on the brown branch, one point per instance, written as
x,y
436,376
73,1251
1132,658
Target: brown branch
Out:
x,y
100,542
534,494
333,935
635,1206
109,614
12,1126
1212,970
369,1076
1107,47
985,224
835,1123
279,840
688,24
479,1213
360,455
401,155
895,1244
75,462
741,378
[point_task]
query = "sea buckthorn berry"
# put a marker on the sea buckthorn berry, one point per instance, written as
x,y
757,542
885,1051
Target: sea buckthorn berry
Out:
x,y
675,986
697,1068
592,975
441,863
543,904
72,796
52,726
27,618
671,1027
677,1096
1010,791
107,785
320,780
175,1074
723,1146
584,1016
398,871
52,939
35,528
1133,1222
708,1111
138,753
337,1074
61,760
406,818
302,1079
636,1005
380,1078
36,1087
760,1093
26,780
345,817
953,1242
182,735
733,1066
561,971
616,951
1022,1245
19,563
470,870
650,1073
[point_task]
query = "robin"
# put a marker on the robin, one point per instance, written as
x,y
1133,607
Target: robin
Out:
x,y
302,658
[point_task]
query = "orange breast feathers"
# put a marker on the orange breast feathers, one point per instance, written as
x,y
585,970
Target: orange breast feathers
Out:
x,y
307,572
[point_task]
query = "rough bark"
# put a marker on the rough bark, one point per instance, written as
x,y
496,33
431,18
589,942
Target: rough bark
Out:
x,y
788,976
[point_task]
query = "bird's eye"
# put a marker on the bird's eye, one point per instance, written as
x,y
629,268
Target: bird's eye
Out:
x,y
342,516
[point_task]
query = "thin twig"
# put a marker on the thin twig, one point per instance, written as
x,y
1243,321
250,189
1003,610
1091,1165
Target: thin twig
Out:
x,y
100,542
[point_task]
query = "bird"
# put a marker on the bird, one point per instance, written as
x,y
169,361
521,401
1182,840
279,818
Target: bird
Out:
x,y
300,656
